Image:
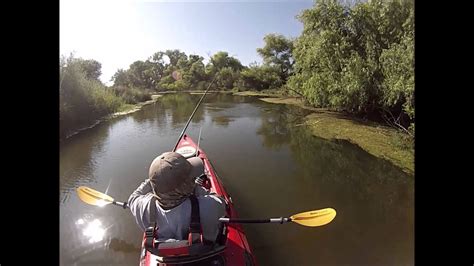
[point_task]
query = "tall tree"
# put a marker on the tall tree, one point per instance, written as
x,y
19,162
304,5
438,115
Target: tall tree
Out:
x,y
278,52
226,67
91,67
174,56
222,60
121,78
357,58
259,78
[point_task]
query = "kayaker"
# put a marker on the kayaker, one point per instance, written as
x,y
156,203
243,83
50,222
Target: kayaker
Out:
x,y
171,180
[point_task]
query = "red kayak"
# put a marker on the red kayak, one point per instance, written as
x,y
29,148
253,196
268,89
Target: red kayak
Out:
x,y
233,249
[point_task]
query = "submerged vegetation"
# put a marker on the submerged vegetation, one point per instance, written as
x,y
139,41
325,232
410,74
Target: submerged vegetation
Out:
x,y
379,140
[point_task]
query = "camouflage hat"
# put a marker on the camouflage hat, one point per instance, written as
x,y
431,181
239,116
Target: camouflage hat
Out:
x,y
172,177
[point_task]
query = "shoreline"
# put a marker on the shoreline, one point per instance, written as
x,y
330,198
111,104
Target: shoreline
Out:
x,y
376,139
132,108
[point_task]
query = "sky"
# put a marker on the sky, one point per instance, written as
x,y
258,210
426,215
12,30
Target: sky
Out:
x,y
116,32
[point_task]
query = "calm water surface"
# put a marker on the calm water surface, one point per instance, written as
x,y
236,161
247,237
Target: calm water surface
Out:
x,y
270,165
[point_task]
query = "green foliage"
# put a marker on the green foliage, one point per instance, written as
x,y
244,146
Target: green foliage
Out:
x,y
121,78
175,56
131,95
226,68
91,68
222,60
398,67
277,52
359,59
82,97
173,70
140,75
260,78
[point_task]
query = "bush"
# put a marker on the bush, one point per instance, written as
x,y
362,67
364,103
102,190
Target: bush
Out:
x,y
132,95
358,59
83,99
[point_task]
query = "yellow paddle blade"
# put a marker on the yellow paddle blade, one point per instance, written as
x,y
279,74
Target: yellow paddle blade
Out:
x,y
93,197
314,218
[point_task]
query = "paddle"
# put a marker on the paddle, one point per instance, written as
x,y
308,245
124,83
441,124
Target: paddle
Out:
x,y
96,198
309,218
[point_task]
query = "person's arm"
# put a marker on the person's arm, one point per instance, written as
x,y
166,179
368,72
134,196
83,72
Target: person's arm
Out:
x,y
139,204
211,208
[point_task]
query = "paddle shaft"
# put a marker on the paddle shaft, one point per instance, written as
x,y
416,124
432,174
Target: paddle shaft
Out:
x,y
121,204
255,221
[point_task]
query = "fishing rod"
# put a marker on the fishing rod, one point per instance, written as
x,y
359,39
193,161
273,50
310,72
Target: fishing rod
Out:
x,y
191,117
199,140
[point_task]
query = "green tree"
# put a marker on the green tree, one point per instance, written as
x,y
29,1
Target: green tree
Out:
x,y
222,60
278,52
90,67
141,75
174,56
257,77
227,69
82,97
121,78
358,58
398,68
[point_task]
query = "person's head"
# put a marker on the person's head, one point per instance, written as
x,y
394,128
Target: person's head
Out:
x,y
172,178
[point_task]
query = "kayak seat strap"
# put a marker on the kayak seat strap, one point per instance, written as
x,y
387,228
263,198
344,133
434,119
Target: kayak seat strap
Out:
x,y
195,230
151,231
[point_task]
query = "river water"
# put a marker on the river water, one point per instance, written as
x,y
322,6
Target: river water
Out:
x,y
269,163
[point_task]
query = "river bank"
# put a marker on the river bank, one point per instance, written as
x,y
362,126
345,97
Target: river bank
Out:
x,y
378,140
124,110
131,108
251,144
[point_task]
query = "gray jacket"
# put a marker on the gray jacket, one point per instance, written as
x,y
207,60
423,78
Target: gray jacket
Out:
x,y
174,223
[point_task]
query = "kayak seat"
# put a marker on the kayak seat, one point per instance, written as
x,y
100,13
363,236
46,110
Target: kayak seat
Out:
x,y
181,251
195,248
175,251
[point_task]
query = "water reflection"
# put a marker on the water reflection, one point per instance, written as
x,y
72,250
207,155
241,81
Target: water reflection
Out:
x,y
270,164
222,120
179,107
279,123
93,230
373,197
85,148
